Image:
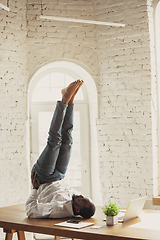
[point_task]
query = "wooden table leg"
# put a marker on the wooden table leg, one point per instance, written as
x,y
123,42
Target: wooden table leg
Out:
x,y
9,234
21,235
56,238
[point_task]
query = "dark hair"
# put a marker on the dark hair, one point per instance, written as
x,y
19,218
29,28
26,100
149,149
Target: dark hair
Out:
x,y
87,212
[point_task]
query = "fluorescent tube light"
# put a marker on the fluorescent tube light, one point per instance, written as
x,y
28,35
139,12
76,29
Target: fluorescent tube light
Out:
x,y
4,7
82,21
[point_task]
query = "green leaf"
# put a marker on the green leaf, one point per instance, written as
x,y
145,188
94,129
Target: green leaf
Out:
x,y
111,209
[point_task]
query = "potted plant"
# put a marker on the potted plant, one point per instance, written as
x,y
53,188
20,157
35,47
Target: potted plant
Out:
x,y
111,211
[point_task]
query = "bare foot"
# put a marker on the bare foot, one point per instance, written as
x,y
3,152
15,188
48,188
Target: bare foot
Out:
x,y
68,92
74,94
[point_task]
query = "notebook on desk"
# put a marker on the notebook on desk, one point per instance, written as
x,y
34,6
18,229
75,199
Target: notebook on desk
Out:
x,y
133,210
74,224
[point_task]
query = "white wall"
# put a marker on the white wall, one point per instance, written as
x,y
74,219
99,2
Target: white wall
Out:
x,y
119,60
13,90
125,96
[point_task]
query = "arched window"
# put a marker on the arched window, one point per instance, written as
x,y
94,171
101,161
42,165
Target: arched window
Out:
x,y
44,90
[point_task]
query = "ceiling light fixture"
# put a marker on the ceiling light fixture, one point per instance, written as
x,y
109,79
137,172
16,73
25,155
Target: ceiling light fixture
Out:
x,y
63,19
5,7
82,21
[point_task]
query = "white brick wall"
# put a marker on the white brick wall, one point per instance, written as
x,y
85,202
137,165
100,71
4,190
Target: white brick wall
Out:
x,y
13,105
13,90
125,123
119,60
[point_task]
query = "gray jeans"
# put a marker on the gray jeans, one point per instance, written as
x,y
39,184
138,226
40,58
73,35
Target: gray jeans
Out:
x,y
53,161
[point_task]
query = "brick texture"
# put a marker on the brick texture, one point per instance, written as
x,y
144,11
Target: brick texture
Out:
x,y
121,60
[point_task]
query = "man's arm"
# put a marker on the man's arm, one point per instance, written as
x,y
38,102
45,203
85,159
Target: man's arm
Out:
x,y
33,208
35,182
53,209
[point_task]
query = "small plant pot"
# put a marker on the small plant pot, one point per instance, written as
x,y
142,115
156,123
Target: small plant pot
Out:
x,y
111,220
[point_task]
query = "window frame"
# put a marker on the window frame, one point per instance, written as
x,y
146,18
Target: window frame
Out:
x,y
90,80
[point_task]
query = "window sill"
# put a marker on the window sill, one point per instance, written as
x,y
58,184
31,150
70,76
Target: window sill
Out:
x,y
156,200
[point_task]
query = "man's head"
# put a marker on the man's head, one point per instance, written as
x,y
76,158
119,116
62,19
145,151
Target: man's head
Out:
x,y
83,206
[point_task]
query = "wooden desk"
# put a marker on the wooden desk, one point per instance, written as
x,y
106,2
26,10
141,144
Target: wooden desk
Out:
x,y
147,226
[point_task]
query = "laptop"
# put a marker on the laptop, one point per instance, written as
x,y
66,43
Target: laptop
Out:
x,y
133,210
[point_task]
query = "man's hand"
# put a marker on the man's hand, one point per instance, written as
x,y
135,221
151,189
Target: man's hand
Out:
x,y
35,182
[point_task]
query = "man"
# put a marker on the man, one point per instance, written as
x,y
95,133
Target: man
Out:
x,y
50,197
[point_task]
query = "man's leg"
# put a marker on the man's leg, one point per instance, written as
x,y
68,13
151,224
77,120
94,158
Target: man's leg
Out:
x,y
45,165
65,150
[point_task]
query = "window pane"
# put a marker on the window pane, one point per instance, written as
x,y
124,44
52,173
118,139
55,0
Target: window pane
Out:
x,y
57,80
56,94
41,94
43,82
44,119
73,175
68,79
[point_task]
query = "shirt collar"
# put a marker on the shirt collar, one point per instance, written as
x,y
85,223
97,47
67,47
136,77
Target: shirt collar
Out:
x,y
69,208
